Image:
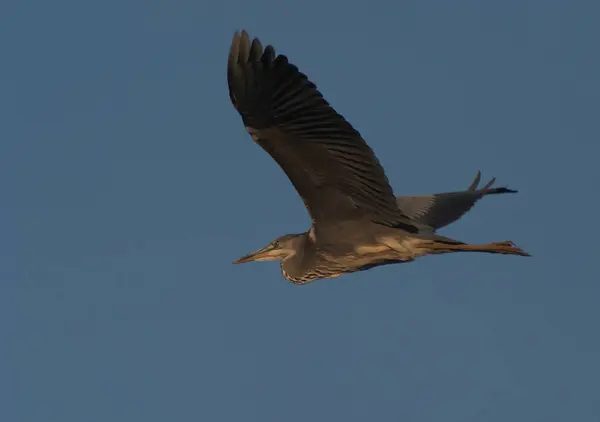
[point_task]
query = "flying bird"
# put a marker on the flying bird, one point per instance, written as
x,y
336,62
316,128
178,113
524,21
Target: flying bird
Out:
x,y
357,222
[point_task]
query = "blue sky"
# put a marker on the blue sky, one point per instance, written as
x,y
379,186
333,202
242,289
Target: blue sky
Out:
x,y
129,185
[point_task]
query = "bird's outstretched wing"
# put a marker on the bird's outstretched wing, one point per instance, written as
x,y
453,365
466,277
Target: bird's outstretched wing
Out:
x,y
440,209
330,165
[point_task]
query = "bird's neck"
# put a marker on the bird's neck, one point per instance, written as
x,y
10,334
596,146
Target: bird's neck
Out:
x,y
295,267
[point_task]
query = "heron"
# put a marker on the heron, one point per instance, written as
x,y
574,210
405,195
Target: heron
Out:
x,y
357,222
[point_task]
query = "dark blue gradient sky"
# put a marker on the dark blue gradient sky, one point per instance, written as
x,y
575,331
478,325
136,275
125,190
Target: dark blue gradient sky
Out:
x,y
129,185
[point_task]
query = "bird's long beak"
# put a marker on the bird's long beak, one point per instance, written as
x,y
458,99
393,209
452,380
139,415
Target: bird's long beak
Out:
x,y
264,254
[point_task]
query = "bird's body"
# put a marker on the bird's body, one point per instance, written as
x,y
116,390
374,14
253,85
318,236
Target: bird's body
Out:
x,y
328,262
357,222
345,247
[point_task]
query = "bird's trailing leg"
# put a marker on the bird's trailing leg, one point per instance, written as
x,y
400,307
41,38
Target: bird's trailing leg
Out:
x,y
506,248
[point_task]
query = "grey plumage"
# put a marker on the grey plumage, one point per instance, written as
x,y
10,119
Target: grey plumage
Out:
x,y
357,222
333,169
441,209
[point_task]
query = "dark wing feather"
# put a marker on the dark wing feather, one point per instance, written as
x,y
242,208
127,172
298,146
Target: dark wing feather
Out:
x,y
440,209
330,165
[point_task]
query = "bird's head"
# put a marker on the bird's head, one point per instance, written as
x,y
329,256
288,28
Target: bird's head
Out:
x,y
279,249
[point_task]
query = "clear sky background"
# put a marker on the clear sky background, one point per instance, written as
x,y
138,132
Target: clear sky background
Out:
x,y
129,185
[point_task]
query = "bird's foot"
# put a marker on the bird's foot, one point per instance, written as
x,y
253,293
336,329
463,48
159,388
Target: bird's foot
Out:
x,y
509,247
